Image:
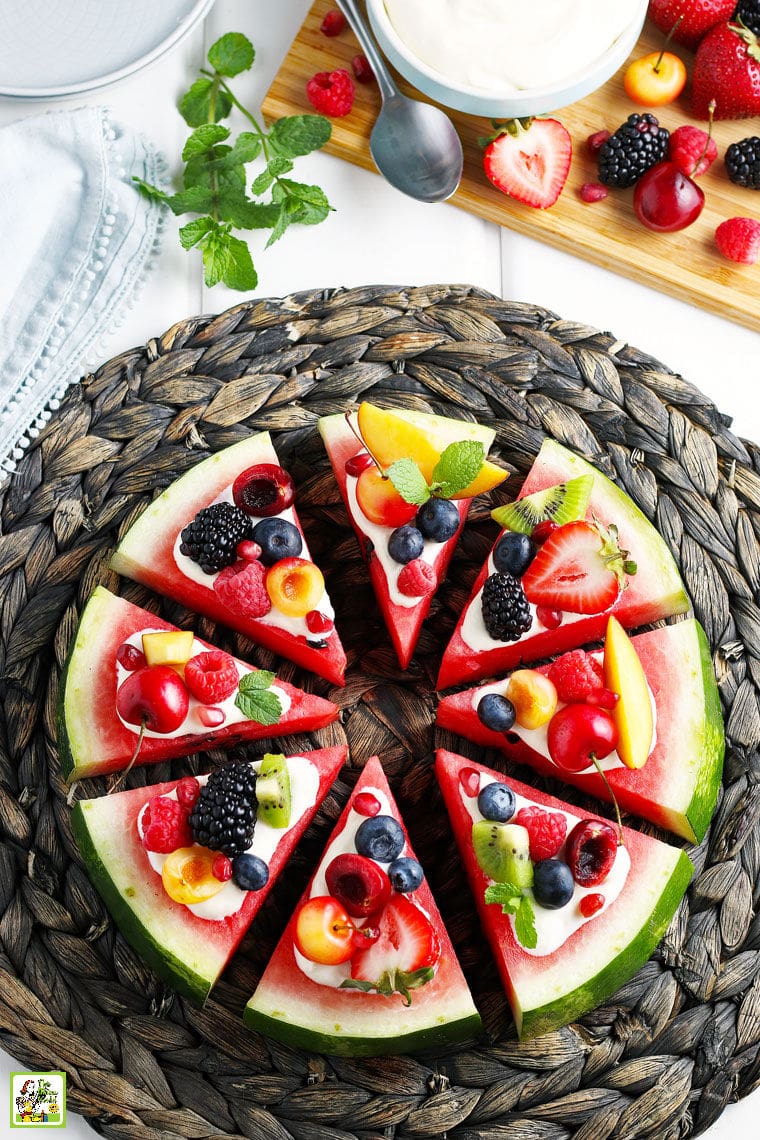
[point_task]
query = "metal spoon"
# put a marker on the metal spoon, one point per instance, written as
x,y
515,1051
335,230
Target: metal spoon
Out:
x,y
414,145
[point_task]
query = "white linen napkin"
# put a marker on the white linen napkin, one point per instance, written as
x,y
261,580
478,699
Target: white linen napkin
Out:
x,y
76,240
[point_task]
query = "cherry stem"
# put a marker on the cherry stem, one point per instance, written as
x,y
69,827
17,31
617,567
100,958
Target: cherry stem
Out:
x,y
120,779
668,38
710,113
359,436
612,796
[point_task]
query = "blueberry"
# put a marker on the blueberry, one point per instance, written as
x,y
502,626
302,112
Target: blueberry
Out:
x,y
405,544
405,875
278,539
438,519
553,883
249,872
496,712
380,838
513,553
496,802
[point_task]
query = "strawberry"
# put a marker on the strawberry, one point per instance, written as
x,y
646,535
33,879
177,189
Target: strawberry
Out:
x,y
529,159
404,954
738,239
727,70
692,150
697,17
580,568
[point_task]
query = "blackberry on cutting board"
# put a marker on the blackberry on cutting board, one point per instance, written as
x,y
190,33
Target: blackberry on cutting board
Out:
x,y
639,143
224,815
748,11
506,612
212,538
743,162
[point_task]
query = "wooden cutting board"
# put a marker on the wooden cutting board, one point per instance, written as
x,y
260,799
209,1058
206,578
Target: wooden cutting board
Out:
x,y
685,265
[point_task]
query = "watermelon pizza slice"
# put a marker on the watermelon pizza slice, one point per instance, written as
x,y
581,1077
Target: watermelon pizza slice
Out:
x,y
185,866
225,540
571,905
639,720
575,549
365,965
135,689
407,479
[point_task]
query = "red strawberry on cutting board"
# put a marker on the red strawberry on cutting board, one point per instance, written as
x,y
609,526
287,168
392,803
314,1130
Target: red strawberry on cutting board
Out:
x,y
529,160
727,69
696,17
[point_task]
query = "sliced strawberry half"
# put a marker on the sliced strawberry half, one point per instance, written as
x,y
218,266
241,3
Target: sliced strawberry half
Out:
x,y
580,568
530,162
404,955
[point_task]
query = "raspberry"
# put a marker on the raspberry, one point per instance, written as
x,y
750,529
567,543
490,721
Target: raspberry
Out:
x,y
575,675
241,588
593,192
362,69
546,829
211,676
739,240
333,23
165,826
692,150
331,92
416,579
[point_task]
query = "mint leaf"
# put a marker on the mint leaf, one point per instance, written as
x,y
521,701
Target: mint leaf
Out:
x,y
458,466
231,54
239,273
191,233
204,103
196,200
278,166
149,191
505,893
255,700
409,481
247,215
525,924
262,182
204,139
313,206
247,147
299,134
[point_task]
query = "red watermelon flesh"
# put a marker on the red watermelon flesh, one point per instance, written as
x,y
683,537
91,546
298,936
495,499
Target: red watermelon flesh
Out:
x,y
678,785
655,591
92,740
293,1007
146,553
190,952
549,990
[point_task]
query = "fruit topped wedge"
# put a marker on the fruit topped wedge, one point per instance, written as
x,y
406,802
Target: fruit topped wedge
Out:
x,y
574,549
407,479
137,690
185,866
365,965
572,905
639,720
224,539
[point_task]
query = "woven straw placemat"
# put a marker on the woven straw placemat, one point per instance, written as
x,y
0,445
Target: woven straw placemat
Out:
x,y
665,1054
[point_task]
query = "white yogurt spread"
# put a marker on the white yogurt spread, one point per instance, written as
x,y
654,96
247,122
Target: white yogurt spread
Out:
x,y
554,927
502,46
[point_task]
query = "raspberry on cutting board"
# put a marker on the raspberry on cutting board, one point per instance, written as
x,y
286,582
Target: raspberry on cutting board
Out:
x,y
331,92
738,239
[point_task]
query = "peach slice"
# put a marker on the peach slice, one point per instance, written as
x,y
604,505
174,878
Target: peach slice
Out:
x,y
624,675
168,647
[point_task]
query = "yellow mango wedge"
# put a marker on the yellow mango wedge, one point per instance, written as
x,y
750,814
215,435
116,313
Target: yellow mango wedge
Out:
x,y
422,437
168,647
624,675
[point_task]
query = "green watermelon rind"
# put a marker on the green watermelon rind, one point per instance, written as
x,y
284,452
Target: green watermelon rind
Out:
x,y
700,809
590,995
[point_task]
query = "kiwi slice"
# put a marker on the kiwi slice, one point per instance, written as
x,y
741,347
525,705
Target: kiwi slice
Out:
x,y
503,852
273,791
562,503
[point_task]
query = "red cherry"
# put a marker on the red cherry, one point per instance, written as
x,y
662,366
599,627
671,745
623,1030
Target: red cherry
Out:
x,y
665,199
265,489
154,696
590,851
358,883
367,804
130,657
469,778
380,501
358,463
578,733
590,904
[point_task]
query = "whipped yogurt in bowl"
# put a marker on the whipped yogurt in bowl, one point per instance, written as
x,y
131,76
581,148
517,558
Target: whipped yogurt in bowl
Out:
x,y
507,58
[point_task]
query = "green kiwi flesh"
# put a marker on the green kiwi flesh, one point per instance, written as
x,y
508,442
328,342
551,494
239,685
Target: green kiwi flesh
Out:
x,y
503,852
562,503
273,791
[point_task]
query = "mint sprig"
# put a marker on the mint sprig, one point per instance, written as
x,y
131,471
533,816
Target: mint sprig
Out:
x,y
514,902
255,699
458,465
215,180
391,982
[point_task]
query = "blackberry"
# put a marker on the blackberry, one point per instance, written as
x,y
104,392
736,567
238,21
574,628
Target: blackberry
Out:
x,y
212,538
505,608
224,816
743,162
635,146
748,11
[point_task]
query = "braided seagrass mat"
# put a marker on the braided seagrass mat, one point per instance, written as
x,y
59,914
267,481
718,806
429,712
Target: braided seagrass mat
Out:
x,y
668,1051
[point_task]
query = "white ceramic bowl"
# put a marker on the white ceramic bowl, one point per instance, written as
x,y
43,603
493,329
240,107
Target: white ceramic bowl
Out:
x,y
501,105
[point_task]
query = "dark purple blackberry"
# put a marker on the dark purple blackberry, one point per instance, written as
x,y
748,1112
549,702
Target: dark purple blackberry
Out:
x,y
212,538
224,815
748,11
635,146
506,612
743,162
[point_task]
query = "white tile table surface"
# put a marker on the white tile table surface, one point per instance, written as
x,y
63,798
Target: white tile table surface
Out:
x,y
377,235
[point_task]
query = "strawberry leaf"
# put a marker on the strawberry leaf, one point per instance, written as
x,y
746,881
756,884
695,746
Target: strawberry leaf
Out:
x,y
459,464
255,699
393,981
409,481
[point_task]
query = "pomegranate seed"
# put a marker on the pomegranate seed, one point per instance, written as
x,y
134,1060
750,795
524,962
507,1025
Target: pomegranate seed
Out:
x,y
590,904
333,23
211,717
469,778
319,623
367,804
595,142
550,619
358,463
187,789
221,868
593,191
362,70
543,530
248,550
602,698
130,657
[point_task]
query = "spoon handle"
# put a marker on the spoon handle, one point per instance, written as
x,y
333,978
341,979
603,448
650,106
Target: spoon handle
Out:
x,y
353,14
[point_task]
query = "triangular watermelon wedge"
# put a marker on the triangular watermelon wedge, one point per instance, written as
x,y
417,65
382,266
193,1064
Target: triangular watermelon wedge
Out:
x,y
403,613
655,591
677,786
188,950
579,961
93,739
149,553
302,1004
